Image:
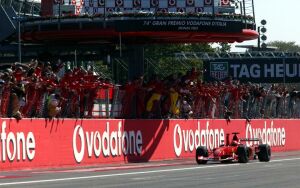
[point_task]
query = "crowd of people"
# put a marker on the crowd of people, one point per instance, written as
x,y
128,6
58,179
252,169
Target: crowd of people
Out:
x,y
185,96
36,90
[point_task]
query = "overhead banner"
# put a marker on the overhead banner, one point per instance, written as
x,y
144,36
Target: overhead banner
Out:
x,y
42,143
179,25
257,70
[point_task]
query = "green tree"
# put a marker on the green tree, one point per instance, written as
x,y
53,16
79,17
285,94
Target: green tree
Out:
x,y
159,50
285,46
102,69
224,47
161,60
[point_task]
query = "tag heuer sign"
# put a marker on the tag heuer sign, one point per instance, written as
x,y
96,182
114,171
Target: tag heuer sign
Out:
x,y
219,70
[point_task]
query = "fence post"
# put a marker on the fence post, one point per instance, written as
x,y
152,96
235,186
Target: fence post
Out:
x,y
114,102
107,103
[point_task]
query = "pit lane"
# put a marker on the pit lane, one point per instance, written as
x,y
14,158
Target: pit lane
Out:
x,y
282,171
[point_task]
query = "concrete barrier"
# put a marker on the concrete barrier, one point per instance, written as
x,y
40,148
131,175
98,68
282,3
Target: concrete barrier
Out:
x,y
42,143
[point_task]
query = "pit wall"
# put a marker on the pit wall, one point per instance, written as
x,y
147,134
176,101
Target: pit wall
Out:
x,y
41,143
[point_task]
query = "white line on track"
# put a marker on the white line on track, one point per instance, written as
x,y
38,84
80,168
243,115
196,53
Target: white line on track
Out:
x,y
131,173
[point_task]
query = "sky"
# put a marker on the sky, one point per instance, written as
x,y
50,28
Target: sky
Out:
x,y
283,20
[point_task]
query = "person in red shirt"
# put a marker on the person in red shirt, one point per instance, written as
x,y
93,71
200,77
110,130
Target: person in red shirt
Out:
x,y
192,75
51,84
31,93
74,94
64,86
5,94
38,69
93,86
207,100
140,97
19,74
214,100
198,103
127,100
17,93
235,99
40,98
83,90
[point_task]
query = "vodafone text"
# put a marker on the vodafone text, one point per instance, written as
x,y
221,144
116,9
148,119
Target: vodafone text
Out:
x,y
188,140
274,136
15,145
114,143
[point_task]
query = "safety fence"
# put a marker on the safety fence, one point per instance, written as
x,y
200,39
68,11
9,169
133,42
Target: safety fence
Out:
x,y
260,103
108,103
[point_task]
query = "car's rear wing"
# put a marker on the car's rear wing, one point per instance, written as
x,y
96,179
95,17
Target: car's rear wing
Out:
x,y
251,139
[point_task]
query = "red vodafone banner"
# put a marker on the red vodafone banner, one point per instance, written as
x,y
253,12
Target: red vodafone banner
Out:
x,y
39,143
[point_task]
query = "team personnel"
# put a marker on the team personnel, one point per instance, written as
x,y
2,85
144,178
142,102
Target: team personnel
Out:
x,y
34,90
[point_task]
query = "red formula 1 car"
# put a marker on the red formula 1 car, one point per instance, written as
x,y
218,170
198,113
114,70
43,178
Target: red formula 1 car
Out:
x,y
235,150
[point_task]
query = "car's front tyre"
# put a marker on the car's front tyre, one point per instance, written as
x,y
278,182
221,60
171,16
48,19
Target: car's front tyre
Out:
x,y
242,153
201,151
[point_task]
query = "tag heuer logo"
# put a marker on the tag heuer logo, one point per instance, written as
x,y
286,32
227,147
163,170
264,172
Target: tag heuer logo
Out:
x,y
219,70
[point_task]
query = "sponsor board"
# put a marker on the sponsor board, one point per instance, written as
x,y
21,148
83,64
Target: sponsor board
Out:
x,y
219,70
109,143
39,143
258,70
178,25
16,146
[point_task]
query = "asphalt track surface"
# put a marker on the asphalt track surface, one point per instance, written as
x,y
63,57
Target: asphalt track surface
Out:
x,y
282,171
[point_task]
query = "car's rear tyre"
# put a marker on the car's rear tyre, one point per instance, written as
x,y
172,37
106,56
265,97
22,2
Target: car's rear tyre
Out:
x,y
264,154
242,153
201,152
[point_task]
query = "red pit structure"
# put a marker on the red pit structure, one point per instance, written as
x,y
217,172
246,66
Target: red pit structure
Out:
x,y
142,22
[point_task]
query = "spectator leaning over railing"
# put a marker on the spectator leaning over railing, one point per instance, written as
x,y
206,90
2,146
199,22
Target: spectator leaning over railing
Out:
x,y
153,108
127,100
34,90
93,84
65,93
17,93
216,100
6,90
140,97
31,93
53,108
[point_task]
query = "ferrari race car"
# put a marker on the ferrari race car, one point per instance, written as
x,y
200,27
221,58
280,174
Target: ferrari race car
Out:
x,y
236,150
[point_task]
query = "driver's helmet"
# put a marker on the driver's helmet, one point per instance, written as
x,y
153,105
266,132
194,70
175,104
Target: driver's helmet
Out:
x,y
234,143
235,140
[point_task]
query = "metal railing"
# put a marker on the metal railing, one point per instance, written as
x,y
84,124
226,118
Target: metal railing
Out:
x,y
235,55
26,8
109,107
150,65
